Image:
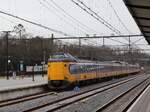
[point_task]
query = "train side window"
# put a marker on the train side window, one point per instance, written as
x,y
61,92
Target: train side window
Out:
x,y
73,69
76,69
80,69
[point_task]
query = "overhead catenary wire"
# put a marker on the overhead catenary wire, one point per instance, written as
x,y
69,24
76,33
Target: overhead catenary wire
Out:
x,y
87,9
7,20
49,6
115,14
93,43
37,24
87,28
98,37
108,36
52,11
64,12
95,15
113,39
137,40
122,45
66,33
119,19
117,41
104,21
4,18
69,15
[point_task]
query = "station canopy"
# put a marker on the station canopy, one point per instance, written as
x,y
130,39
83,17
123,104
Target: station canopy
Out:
x,y
140,10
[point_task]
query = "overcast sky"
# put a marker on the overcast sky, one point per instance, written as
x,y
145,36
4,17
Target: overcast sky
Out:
x,y
76,23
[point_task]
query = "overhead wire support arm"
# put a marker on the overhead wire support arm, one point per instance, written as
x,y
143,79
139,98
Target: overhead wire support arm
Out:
x,y
37,24
137,40
94,37
119,19
117,41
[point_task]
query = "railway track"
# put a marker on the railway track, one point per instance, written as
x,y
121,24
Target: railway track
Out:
x,y
65,101
123,101
26,98
34,96
58,104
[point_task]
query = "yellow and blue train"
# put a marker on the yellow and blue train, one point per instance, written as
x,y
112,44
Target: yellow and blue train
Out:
x,y
65,70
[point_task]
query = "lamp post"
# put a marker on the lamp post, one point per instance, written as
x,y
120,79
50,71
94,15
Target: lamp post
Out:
x,y
21,28
7,63
43,53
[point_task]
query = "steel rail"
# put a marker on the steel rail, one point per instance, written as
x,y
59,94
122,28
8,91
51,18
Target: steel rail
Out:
x,y
100,109
25,98
60,103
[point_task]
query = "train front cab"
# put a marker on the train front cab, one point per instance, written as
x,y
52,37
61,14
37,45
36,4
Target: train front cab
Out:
x,y
58,75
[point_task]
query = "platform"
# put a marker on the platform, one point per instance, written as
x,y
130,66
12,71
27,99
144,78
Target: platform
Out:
x,y
142,104
21,82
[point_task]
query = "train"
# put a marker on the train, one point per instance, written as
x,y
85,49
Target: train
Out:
x,y
65,70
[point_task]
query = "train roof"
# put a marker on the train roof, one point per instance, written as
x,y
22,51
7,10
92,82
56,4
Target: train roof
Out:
x,y
60,56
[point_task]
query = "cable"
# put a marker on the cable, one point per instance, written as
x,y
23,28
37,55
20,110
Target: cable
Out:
x,y
116,31
119,19
77,21
95,15
117,41
90,42
37,24
137,41
8,20
61,18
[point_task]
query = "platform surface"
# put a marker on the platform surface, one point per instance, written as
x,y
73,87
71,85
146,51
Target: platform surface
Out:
x,y
20,82
142,104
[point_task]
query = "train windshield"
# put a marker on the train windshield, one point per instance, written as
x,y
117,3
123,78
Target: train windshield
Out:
x,y
58,56
62,57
